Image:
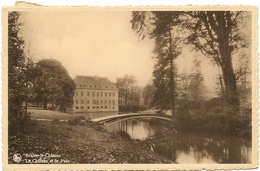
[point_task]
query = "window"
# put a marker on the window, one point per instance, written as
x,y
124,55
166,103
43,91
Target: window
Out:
x,y
113,94
109,94
105,94
113,102
109,101
82,101
81,107
88,107
101,94
105,101
97,93
77,107
90,85
93,94
97,106
97,101
76,93
101,107
93,107
87,101
77,101
95,86
105,106
82,93
87,93
93,101
101,101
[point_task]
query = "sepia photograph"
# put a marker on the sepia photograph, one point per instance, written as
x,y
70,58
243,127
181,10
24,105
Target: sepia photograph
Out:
x,y
157,86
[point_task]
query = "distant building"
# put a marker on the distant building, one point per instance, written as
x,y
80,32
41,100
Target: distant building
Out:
x,y
95,94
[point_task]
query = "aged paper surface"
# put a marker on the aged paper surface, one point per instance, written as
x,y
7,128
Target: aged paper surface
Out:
x,y
47,125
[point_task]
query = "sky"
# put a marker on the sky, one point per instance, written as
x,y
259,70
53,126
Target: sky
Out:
x,y
100,43
89,43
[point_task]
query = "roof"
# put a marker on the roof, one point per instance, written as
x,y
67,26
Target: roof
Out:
x,y
93,82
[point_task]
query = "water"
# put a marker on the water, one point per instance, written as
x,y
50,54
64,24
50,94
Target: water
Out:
x,y
186,148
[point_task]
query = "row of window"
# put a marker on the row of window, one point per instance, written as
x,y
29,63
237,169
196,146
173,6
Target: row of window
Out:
x,y
94,86
93,107
95,101
97,94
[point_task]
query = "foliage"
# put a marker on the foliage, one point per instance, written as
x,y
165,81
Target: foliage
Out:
x,y
191,86
128,93
53,84
148,92
213,116
123,134
75,120
19,71
167,48
243,77
216,34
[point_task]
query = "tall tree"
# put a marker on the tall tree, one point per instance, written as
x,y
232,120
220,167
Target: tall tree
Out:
x,y
161,28
18,73
53,85
216,34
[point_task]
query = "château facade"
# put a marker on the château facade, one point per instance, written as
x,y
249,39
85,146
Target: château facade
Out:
x,y
95,94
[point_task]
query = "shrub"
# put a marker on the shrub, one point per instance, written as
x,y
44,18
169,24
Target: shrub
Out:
x,y
124,134
75,121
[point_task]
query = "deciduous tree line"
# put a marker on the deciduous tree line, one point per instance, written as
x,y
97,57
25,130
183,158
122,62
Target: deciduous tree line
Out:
x,y
129,93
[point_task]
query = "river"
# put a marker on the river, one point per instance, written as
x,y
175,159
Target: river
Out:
x,y
186,148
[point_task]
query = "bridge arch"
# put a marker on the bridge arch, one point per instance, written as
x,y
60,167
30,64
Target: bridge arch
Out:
x,y
135,117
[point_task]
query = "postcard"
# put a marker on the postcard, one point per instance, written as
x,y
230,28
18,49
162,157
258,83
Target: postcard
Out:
x,y
130,88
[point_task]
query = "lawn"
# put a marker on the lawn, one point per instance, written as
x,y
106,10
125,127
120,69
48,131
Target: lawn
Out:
x,y
56,115
53,115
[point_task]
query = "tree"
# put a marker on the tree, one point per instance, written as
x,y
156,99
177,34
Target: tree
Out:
x,y
53,85
128,92
196,88
148,92
16,73
243,73
216,34
161,28
20,70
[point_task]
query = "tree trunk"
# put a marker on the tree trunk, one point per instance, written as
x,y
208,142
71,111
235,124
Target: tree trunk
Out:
x,y
171,73
45,104
227,68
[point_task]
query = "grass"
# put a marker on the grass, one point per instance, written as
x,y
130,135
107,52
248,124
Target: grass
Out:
x,y
78,144
53,115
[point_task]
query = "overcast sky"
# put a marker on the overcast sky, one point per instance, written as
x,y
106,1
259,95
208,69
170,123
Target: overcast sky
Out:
x,y
89,43
99,43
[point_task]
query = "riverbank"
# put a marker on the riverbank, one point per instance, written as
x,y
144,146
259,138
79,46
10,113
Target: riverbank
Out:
x,y
79,142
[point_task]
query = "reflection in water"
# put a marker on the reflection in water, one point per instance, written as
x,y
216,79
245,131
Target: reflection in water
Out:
x,y
188,147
